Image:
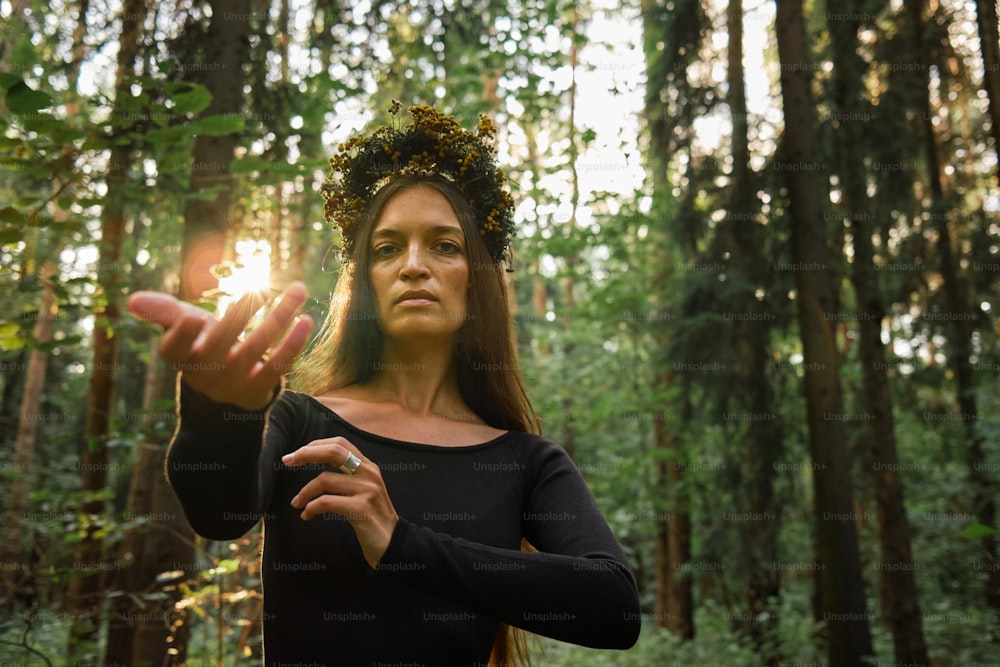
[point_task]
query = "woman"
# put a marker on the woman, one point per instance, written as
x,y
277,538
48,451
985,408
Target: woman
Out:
x,y
396,489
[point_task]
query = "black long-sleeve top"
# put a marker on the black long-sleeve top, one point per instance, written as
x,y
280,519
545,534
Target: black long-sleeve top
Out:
x,y
453,569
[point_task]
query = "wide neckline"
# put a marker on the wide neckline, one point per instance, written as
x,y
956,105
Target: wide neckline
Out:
x,y
406,443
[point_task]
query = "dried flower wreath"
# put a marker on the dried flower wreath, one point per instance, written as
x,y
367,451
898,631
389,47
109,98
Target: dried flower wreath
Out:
x,y
432,143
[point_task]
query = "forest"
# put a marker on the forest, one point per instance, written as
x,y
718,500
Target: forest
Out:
x,y
754,275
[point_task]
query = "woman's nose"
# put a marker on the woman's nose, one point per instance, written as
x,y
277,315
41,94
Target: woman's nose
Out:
x,y
414,260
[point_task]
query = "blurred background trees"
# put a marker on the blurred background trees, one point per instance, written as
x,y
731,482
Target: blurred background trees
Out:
x,y
754,287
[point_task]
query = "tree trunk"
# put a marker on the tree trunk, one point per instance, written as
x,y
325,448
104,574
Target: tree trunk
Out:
x,y
843,599
674,595
989,46
897,583
748,265
143,633
86,588
959,326
567,436
166,543
227,48
27,428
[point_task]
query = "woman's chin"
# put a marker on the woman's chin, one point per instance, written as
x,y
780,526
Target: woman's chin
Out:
x,y
416,327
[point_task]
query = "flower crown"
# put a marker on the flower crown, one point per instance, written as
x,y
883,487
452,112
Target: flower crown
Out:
x,y
432,144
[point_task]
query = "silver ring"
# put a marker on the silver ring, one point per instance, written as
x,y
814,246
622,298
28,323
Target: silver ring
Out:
x,y
352,463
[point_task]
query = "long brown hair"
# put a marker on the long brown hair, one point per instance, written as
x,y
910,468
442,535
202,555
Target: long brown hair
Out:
x,y
348,348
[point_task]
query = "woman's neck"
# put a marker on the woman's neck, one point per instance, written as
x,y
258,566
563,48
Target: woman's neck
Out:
x,y
419,376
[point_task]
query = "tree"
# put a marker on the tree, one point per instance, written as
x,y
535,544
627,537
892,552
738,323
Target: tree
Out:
x,y
150,632
842,593
897,587
208,213
741,239
27,430
989,46
85,590
667,73
959,324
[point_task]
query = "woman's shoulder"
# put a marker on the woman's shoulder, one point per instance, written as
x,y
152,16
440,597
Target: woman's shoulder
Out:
x,y
301,409
536,452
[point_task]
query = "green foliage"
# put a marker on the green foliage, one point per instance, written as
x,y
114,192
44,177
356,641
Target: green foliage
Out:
x,y
719,644
607,302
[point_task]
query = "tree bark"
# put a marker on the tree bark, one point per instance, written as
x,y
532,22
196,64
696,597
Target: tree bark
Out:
x,y
989,47
843,599
227,49
674,594
87,587
748,263
152,634
143,633
27,427
959,325
897,583
674,597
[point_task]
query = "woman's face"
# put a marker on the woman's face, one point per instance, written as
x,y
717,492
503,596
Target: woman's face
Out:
x,y
419,267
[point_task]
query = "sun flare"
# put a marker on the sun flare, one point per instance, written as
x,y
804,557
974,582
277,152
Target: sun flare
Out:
x,y
250,271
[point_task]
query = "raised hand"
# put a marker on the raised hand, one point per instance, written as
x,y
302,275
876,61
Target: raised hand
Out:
x,y
209,353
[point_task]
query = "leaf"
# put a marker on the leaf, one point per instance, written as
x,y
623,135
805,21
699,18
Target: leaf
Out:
x,y
664,454
11,215
195,100
977,531
44,123
227,566
11,344
7,80
21,99
249,164
216,125
11,235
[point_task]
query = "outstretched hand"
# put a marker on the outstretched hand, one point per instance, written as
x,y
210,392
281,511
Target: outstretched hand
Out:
x,y
209,352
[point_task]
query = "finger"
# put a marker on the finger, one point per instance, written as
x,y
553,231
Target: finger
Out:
x,y
269,331
177,343
164,309
155,307
283,356
325,483
346,506
332,451
221,338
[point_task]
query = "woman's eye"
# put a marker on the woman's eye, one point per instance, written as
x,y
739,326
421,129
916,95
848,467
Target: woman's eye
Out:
x,y
384,250
449,247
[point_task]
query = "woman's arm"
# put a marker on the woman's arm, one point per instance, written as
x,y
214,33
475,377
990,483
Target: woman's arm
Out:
x,y
225,387
213,467
578,587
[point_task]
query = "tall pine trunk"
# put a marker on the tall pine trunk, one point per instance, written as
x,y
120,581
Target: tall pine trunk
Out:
x,y
206,221
87,587
959,327
989,46
897,584
143,627
842,593
674,590
27,427
748,265
167,543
